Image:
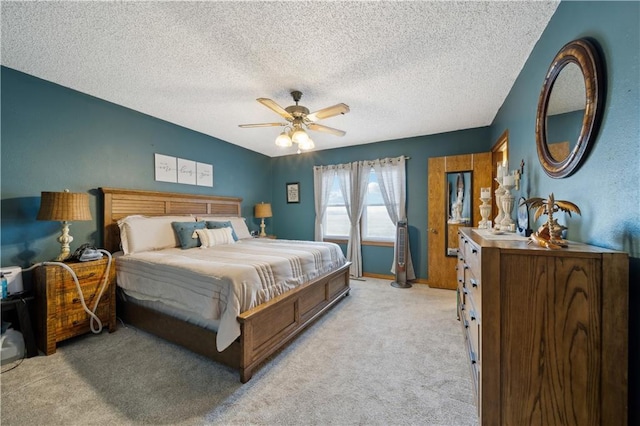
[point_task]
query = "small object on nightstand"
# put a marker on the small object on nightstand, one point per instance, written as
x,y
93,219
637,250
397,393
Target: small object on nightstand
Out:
x,y
60,312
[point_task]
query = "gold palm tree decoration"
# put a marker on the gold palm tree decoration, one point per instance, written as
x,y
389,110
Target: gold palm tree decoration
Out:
x,y
549,235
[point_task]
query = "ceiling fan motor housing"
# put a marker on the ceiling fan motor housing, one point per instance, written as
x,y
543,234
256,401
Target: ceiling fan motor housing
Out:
x,y
297,110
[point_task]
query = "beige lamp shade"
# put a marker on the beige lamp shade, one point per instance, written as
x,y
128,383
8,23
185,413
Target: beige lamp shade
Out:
x,y
262,210
64,206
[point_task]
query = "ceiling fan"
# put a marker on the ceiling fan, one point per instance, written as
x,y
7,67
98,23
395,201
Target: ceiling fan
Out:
x,y
298,117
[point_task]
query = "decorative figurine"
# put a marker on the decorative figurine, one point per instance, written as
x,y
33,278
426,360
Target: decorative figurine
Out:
x,y
549,235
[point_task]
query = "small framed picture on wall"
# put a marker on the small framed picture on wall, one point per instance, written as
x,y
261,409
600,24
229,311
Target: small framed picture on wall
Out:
x,y
293,192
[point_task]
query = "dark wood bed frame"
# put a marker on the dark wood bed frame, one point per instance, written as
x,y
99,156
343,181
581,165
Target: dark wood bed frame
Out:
x,y
264,329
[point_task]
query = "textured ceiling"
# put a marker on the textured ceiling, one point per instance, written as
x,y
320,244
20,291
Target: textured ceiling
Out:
x,y
404,68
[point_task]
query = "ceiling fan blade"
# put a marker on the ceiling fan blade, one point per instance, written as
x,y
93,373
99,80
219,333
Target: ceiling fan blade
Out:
x,y
328,112
262,125
326,129
275,108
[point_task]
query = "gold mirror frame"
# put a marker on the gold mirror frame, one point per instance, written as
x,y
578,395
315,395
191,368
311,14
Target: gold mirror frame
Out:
x,y
584,54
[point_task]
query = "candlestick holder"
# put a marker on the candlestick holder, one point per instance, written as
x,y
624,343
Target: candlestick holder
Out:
x,y
485,210
507,224
499,193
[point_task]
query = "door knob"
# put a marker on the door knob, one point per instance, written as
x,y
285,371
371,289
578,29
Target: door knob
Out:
x,y
433,230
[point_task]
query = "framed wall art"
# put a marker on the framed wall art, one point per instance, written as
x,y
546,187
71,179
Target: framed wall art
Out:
x,y
293,192
166,170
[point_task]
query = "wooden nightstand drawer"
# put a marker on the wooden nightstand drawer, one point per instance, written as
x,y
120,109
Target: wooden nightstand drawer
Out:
x,y
70,300
60,314
74,323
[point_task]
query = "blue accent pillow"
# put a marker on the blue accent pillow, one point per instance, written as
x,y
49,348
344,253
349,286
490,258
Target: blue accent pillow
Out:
x,y
186,232
212,224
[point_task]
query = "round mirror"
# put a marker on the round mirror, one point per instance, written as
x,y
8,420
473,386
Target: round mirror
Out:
x,y
569,108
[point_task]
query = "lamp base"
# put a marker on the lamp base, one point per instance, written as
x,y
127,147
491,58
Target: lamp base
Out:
x,y
262,233
65,240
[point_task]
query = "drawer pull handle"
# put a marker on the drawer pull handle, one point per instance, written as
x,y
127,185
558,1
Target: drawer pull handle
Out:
x,y
472,357
466,324
466,266
474,283
87,299
474,251
472,315
462,307
465,290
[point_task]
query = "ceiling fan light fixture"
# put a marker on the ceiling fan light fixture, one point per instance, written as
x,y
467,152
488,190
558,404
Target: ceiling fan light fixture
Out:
x,y
299,136
283,140
307,145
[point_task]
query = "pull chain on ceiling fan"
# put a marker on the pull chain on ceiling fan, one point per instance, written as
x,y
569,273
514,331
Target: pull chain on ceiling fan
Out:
x,y
298,117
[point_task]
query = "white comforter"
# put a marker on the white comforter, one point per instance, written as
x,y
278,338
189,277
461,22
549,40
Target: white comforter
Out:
x,y
220,282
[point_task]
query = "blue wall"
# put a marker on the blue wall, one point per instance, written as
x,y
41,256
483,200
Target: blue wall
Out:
x,y
55,138
296,221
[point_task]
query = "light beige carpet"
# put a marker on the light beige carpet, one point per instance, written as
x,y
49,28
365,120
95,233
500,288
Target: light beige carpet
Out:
x,y
382,356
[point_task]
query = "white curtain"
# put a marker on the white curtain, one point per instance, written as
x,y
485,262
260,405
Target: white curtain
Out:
x,y
391,175
322,180
353,179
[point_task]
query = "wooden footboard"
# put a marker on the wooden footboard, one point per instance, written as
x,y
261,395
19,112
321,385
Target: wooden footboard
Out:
x,y
268,327
264,329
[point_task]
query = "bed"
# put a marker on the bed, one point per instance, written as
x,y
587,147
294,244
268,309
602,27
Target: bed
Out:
x,y
263,329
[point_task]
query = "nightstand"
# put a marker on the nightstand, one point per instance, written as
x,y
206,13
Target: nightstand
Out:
x,y
60,315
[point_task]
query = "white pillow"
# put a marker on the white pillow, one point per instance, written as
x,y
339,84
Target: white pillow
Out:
x,y
238,223
143,233
215,237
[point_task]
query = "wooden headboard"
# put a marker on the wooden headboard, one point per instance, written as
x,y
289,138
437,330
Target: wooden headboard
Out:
x,y
119,203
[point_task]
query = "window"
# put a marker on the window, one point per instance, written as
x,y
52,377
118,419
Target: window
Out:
x,y
375,223
336,219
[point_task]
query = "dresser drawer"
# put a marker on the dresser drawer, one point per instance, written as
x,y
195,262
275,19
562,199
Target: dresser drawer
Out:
x,y
472,283
471,324
69,301
474,364
460,267
472,255
90,278
70,324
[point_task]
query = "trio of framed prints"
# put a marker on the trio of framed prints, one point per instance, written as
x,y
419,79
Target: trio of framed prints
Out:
x,y
180,170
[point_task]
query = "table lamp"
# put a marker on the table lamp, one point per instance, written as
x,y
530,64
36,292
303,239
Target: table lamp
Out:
x,y
261,211
64,207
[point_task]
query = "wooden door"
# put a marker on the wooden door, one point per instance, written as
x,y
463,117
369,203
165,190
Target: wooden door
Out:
x,y
441,268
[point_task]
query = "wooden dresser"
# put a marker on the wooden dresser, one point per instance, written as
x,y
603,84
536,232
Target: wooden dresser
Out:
x,y
60,314
546,331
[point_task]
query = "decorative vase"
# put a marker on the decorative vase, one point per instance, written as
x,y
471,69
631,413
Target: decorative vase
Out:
x,y
485,210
